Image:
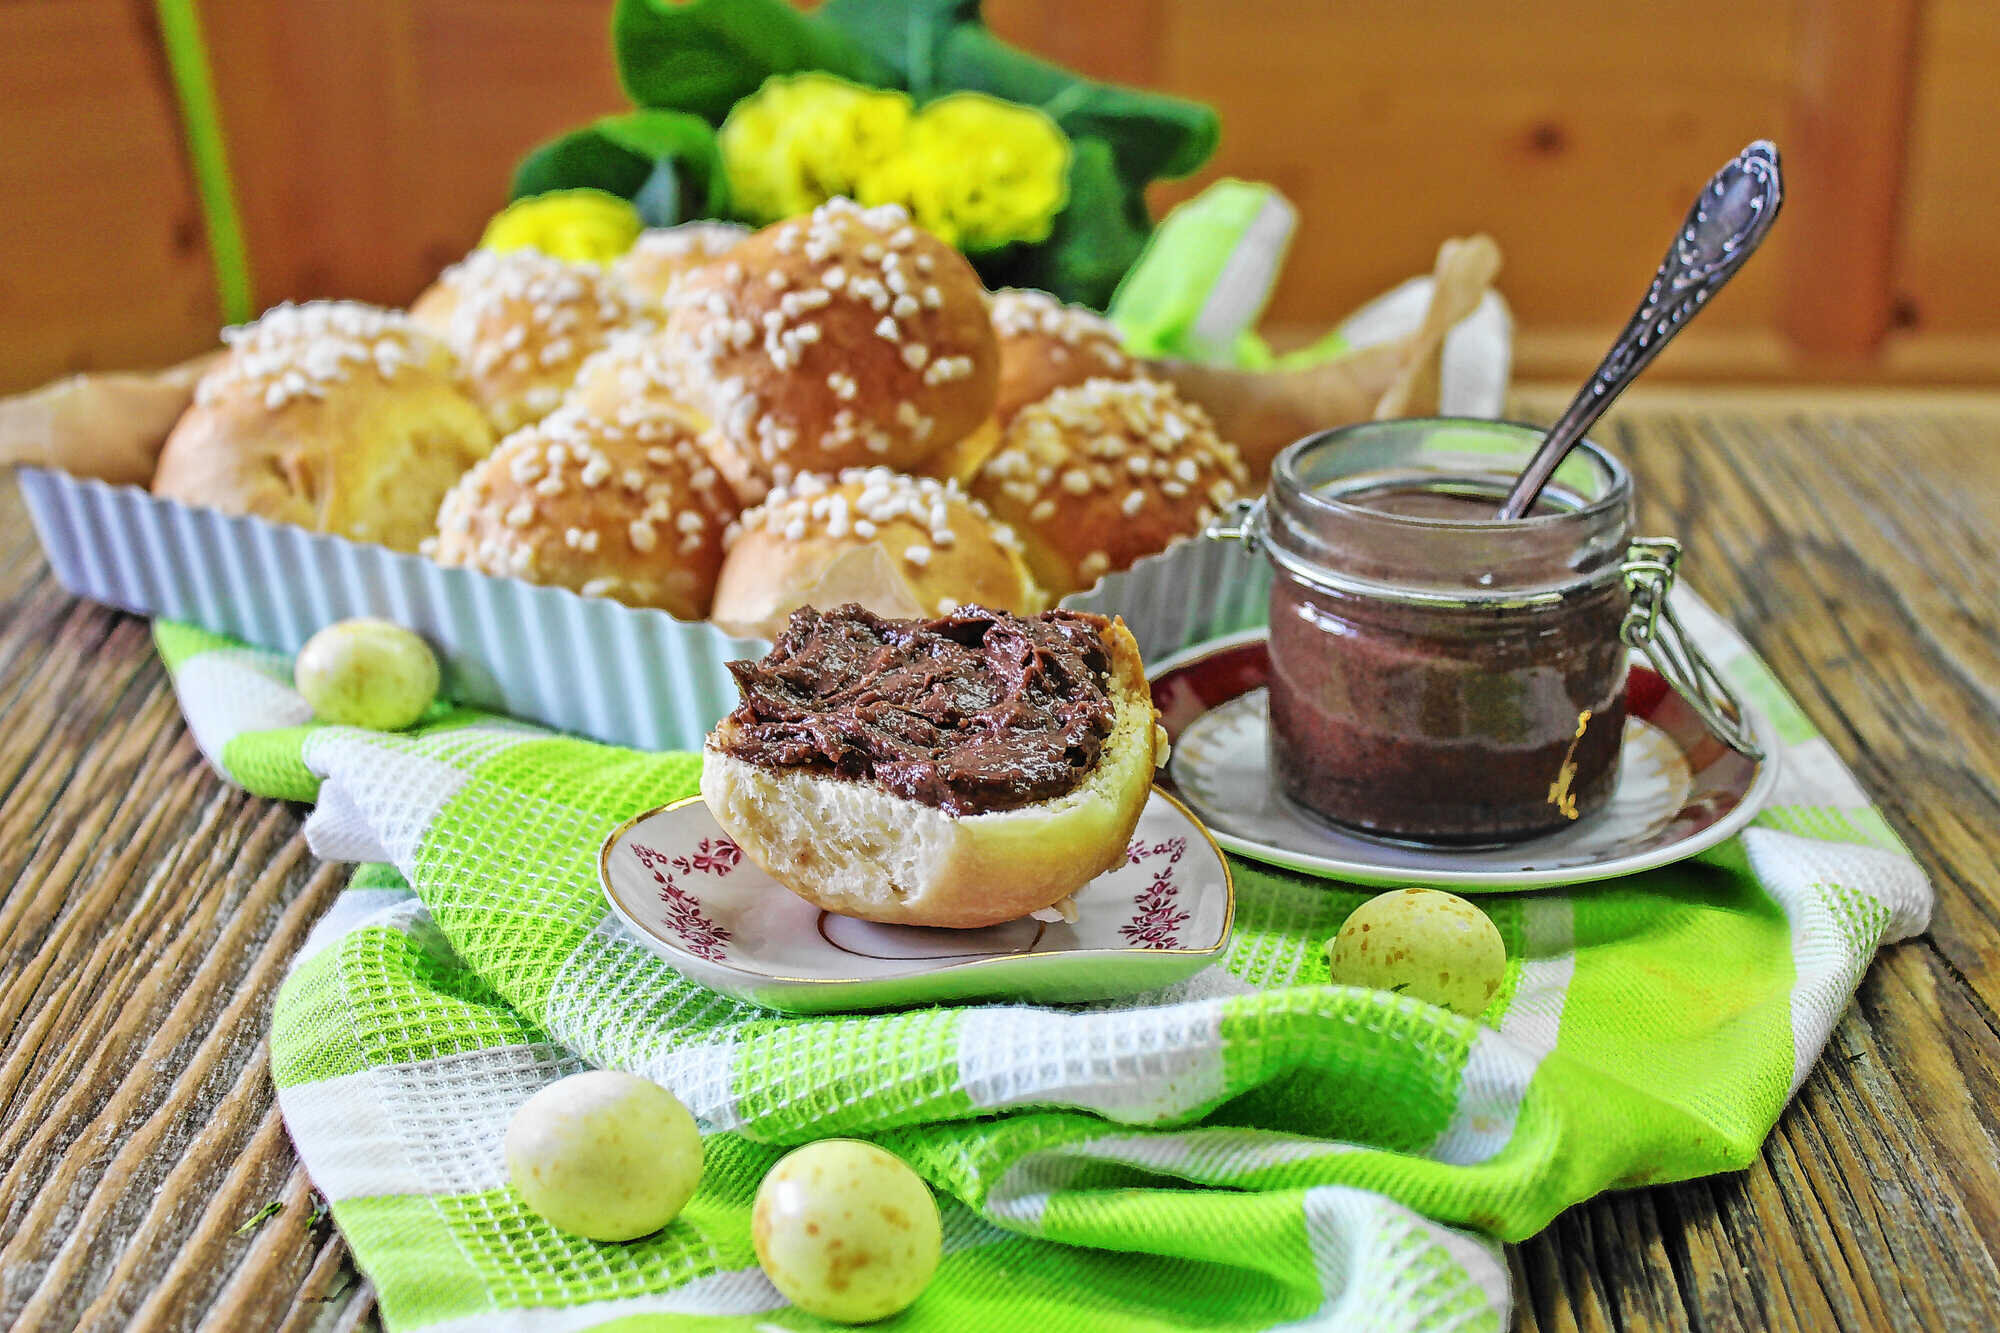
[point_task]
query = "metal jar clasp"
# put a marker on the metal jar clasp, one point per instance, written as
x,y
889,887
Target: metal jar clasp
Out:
x,y
1650,625
1238,522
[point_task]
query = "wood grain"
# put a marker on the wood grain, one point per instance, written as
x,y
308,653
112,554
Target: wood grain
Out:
x,y
102,261
1425,123
152,911
1847,172
380,138
372,142
150,915
1951,192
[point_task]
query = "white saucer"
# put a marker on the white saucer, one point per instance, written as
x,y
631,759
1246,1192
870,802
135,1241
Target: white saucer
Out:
x,y
690,895
1679,792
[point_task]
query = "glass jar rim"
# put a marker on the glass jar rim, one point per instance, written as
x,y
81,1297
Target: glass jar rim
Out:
x,y
1285,469
1358,548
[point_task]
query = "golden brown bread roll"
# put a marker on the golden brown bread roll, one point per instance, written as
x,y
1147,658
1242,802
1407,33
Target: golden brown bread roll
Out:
x,y
631,510
521,325
662,254
896,544
334,416
848,338
1046,345
1096,476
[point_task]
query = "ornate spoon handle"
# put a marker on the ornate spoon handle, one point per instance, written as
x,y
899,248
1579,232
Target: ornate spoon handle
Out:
x,y
1727,221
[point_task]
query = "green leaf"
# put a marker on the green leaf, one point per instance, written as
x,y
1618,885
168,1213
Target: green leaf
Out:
x,y
682,149
654,134
1096,237
903,34
664,161
580,158
940,46
1150,134
701,56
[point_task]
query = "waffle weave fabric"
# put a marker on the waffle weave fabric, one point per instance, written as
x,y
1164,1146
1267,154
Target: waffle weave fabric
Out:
x,y
1256,1148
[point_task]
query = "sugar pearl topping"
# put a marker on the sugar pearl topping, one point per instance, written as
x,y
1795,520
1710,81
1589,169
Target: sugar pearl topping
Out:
x,y
690,240
739,334
1135,440
860,502
588,485
634,361
303,351
524,312
1022,313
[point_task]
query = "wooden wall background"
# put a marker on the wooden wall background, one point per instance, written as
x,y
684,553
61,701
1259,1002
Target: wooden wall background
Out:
x,y
372,139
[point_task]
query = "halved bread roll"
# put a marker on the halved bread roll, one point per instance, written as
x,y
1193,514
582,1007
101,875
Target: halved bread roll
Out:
x,y
856,848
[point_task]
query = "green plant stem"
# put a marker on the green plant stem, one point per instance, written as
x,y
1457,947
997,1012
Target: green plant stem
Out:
x,y
187,60
261,1216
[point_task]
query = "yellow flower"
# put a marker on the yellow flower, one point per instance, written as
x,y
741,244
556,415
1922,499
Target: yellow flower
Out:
x,y
927,189
978,172
587,226
803,139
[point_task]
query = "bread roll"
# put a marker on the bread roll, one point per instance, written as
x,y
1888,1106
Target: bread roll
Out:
x,y
855,847
638,373
662,254
1093,477
896,544
629,510
960,462
1047,345
632,377
522,324
847,338
332,416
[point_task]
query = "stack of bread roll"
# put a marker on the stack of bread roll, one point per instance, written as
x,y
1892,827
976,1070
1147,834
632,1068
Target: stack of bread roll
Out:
x,y
721,424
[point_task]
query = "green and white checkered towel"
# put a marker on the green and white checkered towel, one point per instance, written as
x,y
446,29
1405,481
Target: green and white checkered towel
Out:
x,y
1256,1148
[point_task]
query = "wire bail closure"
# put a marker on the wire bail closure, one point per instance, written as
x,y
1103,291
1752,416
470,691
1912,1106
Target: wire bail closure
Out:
x,y
1651,565
1238,522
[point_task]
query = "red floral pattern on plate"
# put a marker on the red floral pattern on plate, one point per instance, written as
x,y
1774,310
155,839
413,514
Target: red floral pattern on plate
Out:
x,y
712,856
684,917
1160,917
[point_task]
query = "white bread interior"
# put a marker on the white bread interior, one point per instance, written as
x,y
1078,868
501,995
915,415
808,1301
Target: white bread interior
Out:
x,y
853,848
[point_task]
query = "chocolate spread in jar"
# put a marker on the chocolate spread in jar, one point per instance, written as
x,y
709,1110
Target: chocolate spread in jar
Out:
x,y
972,712
1467,725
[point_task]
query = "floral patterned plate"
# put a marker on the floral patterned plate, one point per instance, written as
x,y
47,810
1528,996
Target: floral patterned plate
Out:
x,y
690,895
1680,790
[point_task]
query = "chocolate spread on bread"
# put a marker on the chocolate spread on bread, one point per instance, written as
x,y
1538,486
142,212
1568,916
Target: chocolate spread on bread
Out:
x,y
972,712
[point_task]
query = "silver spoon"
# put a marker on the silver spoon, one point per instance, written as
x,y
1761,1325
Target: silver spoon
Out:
x,y
1727,221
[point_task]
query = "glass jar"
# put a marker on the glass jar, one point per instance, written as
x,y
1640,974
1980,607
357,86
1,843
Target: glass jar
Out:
x,y
1438,675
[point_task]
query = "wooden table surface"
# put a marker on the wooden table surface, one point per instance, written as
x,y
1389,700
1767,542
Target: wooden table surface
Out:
x,y
1855,539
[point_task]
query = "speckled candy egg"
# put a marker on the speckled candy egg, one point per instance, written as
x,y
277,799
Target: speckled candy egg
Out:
x,y
1434,946
366,673
846,1231
604,1155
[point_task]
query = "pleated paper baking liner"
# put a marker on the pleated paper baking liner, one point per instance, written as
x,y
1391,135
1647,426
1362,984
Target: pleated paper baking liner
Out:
x,y
585,665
